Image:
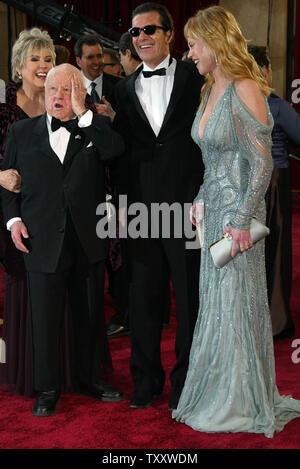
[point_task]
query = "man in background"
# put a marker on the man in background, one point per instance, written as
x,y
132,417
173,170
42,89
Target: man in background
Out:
x,y
89,55
129,58
112,64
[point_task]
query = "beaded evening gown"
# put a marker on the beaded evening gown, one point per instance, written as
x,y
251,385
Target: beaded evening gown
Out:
x,y
230,385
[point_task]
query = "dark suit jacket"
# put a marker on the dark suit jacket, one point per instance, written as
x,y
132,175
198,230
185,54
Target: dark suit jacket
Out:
x,y
286,130
49,188
109,83
166,168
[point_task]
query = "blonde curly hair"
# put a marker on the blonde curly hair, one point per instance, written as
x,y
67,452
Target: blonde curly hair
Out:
x,y
27,41
218,28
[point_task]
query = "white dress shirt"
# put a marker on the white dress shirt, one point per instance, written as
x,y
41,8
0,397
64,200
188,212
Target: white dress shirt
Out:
x,y
154,93
59,141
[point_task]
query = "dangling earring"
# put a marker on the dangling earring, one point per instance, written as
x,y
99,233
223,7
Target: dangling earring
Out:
x,y
19,75
216,59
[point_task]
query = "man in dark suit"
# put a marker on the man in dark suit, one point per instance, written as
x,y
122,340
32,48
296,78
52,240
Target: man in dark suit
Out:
x,y
89,55
53,221
155,109
119,322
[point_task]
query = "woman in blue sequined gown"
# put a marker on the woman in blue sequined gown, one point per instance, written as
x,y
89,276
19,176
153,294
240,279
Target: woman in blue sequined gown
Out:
x,y
230,384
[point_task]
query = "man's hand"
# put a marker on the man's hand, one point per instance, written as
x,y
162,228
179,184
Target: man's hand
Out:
x,y
78,95
105,109
18,229
10,179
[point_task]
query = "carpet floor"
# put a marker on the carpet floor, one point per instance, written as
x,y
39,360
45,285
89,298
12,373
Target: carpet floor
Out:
x,y
84,423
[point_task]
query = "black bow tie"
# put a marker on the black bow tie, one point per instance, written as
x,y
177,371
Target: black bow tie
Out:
x,y
69,125
159,71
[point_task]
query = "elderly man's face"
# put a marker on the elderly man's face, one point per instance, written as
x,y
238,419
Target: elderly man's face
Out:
x,y
58,91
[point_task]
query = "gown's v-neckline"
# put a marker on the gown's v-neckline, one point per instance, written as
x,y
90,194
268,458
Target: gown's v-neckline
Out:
x,y
213,111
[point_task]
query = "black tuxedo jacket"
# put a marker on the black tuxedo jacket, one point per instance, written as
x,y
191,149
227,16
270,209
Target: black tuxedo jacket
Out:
x,y
109,83
49,188
167,167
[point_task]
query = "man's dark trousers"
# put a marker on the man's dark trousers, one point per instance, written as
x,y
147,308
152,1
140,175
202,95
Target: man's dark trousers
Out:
x,y
83,285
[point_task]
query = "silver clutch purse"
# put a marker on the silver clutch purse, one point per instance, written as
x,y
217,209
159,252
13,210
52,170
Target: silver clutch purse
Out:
x,y
220,250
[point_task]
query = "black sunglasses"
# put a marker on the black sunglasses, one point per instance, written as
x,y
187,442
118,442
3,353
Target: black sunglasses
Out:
x,y
149,30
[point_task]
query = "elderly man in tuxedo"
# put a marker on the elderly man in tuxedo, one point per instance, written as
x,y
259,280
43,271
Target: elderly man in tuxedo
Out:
x,y
60,157
155,110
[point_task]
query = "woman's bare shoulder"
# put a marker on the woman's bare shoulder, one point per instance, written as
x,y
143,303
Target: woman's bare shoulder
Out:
x,y
251,95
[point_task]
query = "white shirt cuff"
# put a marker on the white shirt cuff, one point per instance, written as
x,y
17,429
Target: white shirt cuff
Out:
x,y
12,221
86,119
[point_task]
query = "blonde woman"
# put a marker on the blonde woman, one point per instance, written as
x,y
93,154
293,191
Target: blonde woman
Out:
x,y
230,385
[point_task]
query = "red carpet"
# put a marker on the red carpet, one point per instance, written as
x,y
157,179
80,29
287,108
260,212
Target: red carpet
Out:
x,y
83,423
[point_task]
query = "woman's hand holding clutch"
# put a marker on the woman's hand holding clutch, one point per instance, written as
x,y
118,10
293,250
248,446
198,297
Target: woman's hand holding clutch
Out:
x,y
240,238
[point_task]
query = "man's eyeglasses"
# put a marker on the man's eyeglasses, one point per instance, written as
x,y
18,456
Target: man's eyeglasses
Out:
x,y
149,30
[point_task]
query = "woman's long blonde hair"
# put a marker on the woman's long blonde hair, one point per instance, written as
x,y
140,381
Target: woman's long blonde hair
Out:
x,y
218,28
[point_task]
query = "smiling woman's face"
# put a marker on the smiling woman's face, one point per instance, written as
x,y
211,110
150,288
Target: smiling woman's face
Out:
x,y
35,68
201,56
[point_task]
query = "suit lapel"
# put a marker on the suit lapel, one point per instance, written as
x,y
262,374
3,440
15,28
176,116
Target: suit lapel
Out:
x,y
41,131
133,95
180,77
76,143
